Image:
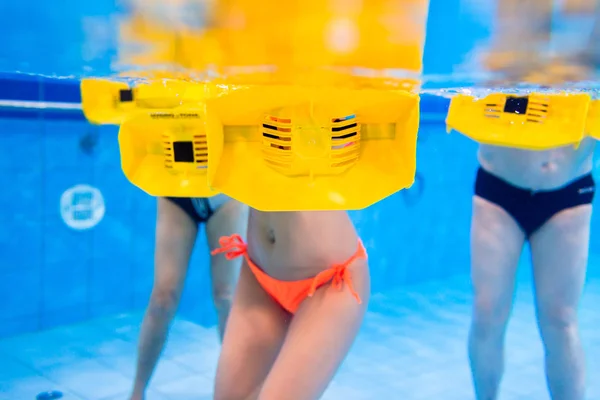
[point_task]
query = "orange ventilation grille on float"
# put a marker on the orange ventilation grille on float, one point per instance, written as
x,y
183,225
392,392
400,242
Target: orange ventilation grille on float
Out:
x,y
345,142
278,143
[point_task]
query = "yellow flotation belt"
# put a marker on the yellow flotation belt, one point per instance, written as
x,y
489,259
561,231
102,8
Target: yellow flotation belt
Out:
x,y
310,110
537,121
278,148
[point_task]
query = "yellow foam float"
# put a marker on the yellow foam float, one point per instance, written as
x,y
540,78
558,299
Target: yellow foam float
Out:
x,y
165,152
310,111
593,120
537,121
377,35
104,101
278,148
112,102
367,34
150,44
290,149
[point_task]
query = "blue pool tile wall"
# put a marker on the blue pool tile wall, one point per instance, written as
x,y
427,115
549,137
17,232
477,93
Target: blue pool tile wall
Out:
x,y
52,274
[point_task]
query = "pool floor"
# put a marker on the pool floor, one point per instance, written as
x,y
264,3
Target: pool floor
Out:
x,y
412,346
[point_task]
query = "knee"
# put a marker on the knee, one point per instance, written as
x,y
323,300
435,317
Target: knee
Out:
x,y
163,303
490,316
223,296
555,319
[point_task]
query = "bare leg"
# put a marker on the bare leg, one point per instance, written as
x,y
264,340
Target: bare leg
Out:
x,y
560,252
255,331
496,245
175,237
230,218
319,337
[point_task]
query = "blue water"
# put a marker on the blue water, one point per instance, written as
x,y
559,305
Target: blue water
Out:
x,y
411,346
71,299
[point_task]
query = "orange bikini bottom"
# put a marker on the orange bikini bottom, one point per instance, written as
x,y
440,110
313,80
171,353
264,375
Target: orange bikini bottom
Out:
x,y
290,294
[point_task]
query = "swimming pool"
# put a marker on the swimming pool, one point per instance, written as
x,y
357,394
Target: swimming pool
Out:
x,y
76,242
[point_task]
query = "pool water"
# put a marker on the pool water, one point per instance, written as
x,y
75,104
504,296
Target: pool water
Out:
x,y
411,346
76,238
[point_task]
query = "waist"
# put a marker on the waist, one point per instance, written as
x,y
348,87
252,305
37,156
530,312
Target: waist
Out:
x,y
490,180
294,247
539,171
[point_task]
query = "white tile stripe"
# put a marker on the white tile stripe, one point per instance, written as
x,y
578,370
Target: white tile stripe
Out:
x,y
47,105
39,105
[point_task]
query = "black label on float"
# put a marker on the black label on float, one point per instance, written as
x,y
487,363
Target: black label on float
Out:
x,y
126,95
184,151
516,105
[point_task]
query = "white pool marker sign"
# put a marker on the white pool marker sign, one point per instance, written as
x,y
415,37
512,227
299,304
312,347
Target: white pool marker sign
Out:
x,y
82,207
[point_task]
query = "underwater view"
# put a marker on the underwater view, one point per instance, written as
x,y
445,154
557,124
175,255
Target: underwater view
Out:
x,y
317,199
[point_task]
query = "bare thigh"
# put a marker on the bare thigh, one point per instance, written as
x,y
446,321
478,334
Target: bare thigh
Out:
x,y
496,245
255,332
559,250
230,218
319,337
175,238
